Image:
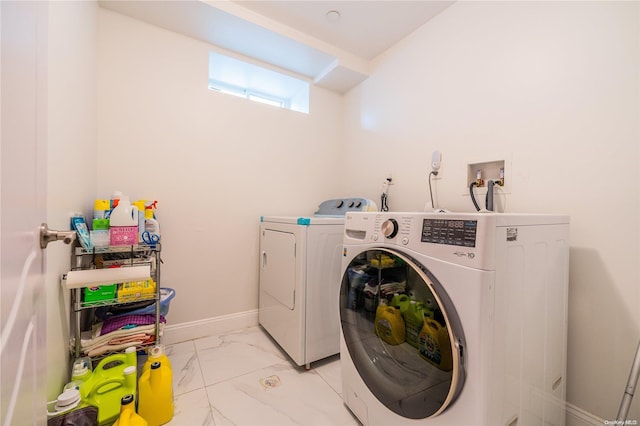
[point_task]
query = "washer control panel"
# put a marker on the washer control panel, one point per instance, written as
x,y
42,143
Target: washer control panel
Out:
x,y
462,238
453,232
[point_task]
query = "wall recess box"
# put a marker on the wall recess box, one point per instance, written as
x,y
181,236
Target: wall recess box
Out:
x,y
489,170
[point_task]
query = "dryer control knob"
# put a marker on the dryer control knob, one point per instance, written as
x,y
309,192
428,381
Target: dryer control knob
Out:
x,y
389,228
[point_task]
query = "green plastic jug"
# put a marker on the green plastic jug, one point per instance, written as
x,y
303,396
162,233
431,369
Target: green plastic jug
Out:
x,y
400,300
128,415
155,395
113,378
413,321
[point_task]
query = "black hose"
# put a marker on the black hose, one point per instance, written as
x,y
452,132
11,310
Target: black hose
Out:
x,y
384,207
473,197
489,198
434,173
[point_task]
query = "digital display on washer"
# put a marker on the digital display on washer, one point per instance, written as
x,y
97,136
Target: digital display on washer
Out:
x,y
453,232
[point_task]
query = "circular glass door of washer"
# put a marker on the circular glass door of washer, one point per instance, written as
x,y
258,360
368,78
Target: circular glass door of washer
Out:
x,y
402,333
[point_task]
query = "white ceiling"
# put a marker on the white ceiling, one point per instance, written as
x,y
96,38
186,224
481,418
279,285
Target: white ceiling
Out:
x,y
294,35
365,28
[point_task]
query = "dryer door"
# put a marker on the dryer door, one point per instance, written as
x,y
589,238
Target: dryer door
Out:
x,y
402,332
278,266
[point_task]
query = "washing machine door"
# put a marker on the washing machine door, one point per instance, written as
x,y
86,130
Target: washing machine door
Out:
x,y
402,333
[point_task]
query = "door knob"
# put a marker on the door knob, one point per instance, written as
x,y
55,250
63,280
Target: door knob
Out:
x,y
48,235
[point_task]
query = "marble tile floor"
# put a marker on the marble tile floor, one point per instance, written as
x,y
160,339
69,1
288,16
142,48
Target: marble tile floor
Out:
x,y
243,378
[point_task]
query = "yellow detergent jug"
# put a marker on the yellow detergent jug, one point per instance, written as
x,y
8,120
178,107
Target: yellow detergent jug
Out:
x,y
113,378
413,322
128,415
155,395
157,353
389,324
434,344
400,300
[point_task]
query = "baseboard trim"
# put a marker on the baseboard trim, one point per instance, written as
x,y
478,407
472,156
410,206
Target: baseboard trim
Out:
x,y
576,416
176,333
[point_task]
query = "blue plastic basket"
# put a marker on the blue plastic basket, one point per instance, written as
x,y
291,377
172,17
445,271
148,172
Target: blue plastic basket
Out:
x,y
166,294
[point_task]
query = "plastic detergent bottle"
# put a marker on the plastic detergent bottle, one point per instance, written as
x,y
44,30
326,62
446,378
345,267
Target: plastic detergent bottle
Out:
x,y
155,395
123,224
141,227
428,307
81,369
150,223
400,300
413,322
115,199
157,353
80,372
128,415
113,378
389,324
101,209
434,344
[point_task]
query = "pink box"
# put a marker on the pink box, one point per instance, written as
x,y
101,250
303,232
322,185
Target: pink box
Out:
x,y
123,235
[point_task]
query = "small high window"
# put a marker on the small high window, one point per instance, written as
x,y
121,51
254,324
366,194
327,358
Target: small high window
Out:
x,y
238,78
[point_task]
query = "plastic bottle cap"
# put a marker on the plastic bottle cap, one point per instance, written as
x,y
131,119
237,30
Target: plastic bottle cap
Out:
x,y
79,370
101,205
68,397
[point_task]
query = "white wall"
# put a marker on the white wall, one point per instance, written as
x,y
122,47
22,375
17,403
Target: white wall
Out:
x,y
71,159
214,162
551,87
554,88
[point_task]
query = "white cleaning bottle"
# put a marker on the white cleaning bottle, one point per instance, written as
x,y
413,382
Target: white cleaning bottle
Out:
x,y
151,225
123,224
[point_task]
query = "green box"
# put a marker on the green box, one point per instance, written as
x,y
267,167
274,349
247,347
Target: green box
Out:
x,y
102,292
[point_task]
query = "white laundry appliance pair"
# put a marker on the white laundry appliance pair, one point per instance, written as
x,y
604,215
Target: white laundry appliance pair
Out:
x,y
300,269
492,291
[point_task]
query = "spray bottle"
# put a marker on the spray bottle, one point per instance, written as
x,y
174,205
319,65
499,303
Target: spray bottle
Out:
x,y
140,204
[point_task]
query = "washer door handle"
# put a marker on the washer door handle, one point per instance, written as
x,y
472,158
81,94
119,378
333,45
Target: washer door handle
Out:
x,y
264,259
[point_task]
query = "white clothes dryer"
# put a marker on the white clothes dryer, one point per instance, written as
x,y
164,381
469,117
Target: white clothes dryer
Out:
x,y
492,290
300,268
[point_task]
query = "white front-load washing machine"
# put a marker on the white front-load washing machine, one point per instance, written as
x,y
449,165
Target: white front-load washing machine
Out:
x,y
491,290
300,261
